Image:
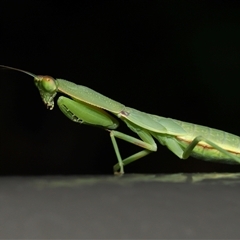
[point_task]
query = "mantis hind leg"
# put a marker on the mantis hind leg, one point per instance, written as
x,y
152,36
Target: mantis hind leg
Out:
x,y
187,152
148,143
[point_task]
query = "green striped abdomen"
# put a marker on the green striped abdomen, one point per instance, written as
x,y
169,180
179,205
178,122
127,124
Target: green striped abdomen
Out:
x,y
227,141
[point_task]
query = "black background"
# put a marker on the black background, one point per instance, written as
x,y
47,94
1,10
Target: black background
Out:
x,y
178,59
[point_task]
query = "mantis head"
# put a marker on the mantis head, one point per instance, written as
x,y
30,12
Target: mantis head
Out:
x,y
46,85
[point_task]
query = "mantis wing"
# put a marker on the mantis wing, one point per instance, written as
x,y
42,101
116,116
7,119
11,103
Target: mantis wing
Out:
x,y
152,122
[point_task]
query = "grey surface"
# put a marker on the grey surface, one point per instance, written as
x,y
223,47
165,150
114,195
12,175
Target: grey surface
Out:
x,y
134,206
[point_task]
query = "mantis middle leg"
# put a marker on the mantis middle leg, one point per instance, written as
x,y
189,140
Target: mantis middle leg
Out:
x,y
147,143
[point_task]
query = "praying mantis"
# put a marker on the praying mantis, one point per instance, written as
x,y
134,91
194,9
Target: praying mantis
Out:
x,y
86,106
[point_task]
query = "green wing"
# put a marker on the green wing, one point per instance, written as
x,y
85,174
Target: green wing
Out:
x,y
152,123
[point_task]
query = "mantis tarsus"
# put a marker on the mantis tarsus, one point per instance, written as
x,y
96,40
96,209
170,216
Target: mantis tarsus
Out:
x,y
87,106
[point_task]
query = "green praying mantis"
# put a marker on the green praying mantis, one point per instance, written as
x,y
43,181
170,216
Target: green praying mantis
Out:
x,y
86,106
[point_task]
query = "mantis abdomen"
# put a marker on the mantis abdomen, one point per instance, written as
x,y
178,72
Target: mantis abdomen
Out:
x,y
225,140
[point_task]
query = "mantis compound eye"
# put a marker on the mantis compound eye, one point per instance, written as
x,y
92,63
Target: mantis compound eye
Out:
x,y
46,83
48,89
